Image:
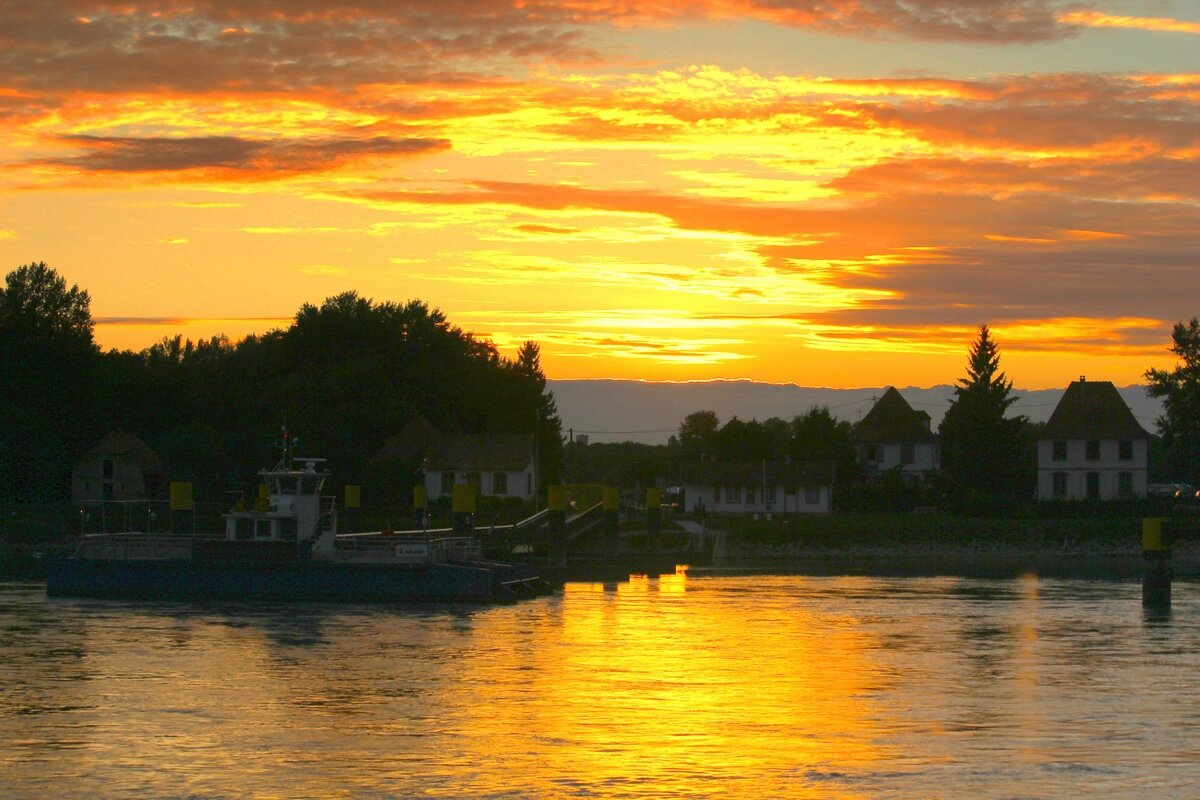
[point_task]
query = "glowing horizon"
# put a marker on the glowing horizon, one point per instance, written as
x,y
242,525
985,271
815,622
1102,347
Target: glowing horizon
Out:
x,y
833,196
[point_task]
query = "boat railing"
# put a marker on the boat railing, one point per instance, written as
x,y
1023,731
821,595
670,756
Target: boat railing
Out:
x,y
380,547
456,548
139,546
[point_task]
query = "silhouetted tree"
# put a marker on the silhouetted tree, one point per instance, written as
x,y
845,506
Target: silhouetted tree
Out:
x,y
698,435
1179,389
984,454
47,358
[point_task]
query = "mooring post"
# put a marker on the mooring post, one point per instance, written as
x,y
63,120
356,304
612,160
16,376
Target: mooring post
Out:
x,y
653,519
1156,580
612,520
462,509
556,504
420,505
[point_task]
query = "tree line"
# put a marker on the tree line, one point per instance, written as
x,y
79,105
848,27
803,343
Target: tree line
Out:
x,y
342,377
988,458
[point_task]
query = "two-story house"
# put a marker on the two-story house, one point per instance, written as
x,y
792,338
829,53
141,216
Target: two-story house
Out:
x,y
893,435
1092,447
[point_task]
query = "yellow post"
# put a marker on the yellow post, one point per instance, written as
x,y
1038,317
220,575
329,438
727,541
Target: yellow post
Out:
x,y
353,496
556,497
181,496
1152,539
264,498
612,498
462,498
653,497
420,496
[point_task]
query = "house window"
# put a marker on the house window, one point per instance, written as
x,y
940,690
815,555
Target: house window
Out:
x,y
1093,485
447,482
1093,450
108,469
733,494
500,483
812,494
873,453
908,453
1058,485
751,494
1125,450
1059,451
1125,484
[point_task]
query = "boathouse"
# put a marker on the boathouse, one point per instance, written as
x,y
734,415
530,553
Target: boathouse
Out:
x,y
1092,448
893,435
757,487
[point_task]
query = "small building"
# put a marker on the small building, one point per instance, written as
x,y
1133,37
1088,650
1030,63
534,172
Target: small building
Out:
x,y
499,464
893,435
757,487
1092,447
120,467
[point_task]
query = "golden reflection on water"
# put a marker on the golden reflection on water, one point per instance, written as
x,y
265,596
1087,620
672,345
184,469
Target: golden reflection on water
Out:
x,y
676,686
635,688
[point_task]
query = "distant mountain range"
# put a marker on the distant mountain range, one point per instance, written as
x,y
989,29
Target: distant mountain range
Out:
x,y
641,411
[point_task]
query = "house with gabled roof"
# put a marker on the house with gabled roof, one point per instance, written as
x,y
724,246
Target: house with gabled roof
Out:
x,y
1092,447
757,487
120,467
893,435
499,464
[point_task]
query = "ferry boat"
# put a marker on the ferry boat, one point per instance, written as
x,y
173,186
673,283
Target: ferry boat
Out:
x,y
287,547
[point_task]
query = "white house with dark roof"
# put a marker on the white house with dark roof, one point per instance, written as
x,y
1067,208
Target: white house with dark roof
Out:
x,y
757,487
499,464
120,467
893,435
1092,447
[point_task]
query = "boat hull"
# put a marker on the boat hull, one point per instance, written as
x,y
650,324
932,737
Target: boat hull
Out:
x,y
353,582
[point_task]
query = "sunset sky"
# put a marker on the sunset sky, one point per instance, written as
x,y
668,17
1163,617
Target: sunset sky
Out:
x,y
830,193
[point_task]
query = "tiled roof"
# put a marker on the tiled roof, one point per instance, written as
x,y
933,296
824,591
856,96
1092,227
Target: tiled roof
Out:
x,y
745,473
124,443
892,419
1092,410
410,443
482,451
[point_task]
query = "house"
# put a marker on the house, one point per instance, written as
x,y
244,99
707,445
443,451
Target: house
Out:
x,y
120,467
757,487
893,435
1092,447
499,464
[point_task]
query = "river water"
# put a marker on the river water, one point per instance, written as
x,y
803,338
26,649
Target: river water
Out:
x,y
696,685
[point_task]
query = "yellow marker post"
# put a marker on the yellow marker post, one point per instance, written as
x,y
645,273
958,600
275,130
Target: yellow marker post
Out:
x,y
556,498
420,497
1152,538
1156,579
353,496
181,496
462,508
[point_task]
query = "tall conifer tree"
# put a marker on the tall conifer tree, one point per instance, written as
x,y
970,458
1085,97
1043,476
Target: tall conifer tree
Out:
x,y
983,454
